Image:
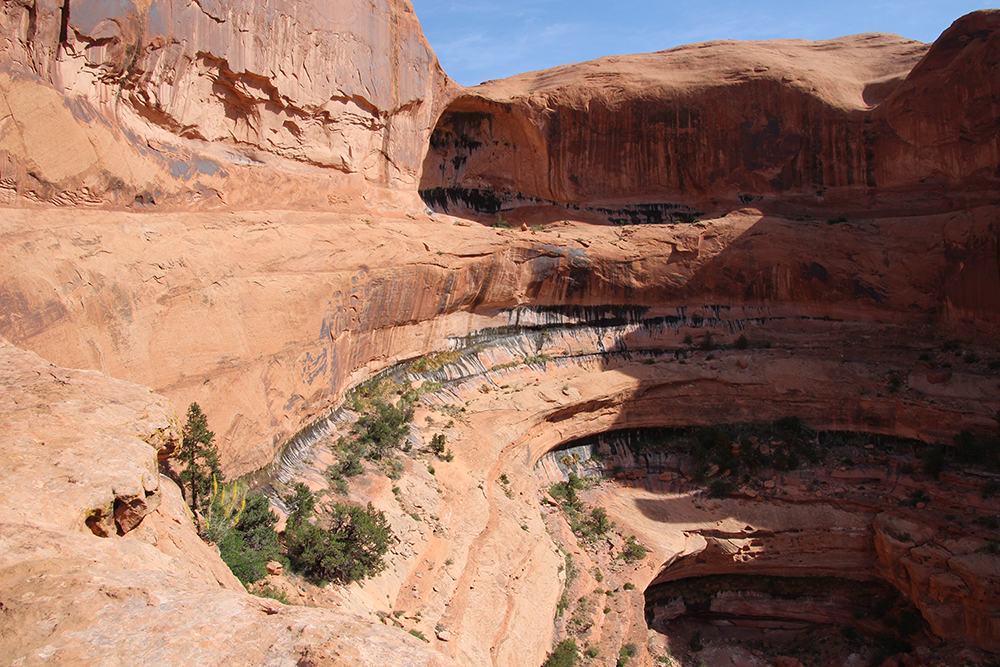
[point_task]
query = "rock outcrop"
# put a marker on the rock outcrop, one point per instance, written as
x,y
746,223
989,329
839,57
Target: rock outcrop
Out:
x,y
99,555
202,103
871,123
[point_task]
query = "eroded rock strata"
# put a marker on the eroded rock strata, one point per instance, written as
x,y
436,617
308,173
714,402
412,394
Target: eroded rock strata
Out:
x,y
231,216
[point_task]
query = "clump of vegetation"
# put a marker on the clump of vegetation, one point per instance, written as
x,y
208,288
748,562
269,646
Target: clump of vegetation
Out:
x,y
383,427
253,541
582,618
380,430
626,653
587,526
433,362
350,547
273,594
742,343
349,465
565,654
633,551
437,446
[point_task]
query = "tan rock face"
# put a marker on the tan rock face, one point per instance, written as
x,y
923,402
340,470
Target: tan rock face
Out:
x,y
103,479
861,122
347,88
265,317
78,446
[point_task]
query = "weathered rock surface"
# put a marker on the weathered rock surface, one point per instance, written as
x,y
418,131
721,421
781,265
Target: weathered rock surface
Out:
x,y
78,446
75,455
265,319
862,123
199,102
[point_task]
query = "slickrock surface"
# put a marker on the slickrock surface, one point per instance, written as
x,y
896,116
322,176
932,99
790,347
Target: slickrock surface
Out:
x,y
77,444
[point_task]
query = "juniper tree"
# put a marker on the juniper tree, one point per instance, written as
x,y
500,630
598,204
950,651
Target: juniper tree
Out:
x,y
199,458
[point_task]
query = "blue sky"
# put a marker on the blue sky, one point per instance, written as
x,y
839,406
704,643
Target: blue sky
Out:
x,y
477,40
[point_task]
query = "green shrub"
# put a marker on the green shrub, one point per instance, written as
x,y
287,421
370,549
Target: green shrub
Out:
x,y
253,542
273,594
565,654
383,427
626,653
349,549
633,551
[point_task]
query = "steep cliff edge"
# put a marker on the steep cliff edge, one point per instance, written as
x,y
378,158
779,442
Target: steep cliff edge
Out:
x,y
833,202
865,123
201,103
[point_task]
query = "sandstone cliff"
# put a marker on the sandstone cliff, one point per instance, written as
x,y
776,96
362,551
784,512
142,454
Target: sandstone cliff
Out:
x,y
204,102
864,123
835,200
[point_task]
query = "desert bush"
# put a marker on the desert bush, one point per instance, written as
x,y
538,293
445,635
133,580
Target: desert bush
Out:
x,y
350,548
565,654
253,542
633,551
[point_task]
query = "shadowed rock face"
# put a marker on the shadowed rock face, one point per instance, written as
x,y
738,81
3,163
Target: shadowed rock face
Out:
x,y
866,122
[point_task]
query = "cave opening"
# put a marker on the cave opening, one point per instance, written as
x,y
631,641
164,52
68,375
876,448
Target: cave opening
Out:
x,y
814,621
769,552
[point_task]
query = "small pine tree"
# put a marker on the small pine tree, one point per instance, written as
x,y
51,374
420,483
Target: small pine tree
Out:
x,y
199,459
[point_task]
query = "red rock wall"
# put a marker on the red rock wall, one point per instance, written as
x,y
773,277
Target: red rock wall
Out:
x,y
344,87
862,134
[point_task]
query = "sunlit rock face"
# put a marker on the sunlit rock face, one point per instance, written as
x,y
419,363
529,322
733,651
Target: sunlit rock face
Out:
x,y
188,101
863,123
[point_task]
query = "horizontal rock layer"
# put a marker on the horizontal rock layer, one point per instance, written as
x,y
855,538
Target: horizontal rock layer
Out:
x,y
266,319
